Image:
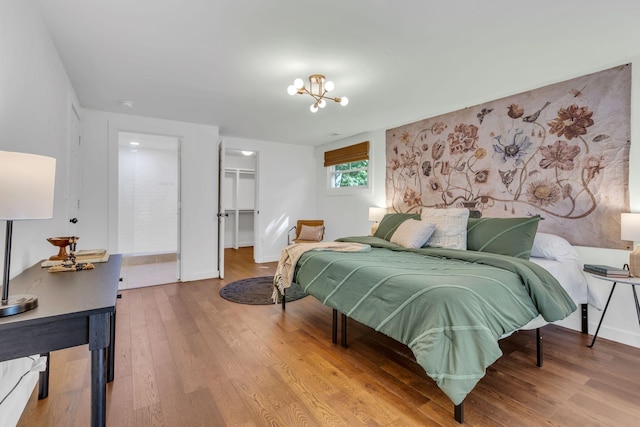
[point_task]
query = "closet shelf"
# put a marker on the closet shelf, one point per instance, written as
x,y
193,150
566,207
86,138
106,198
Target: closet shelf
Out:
x,y
233,211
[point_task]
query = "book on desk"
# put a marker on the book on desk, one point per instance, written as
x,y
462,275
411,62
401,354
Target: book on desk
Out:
x,y
82,256
605,270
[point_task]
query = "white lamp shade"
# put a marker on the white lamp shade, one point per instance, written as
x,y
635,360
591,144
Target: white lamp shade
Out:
x,y
376,214
27,183
630,226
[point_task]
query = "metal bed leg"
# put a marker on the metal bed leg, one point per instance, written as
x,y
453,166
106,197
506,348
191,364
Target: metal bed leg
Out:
x,y
585,318
539,347
458,413
334,327
284,294
344,331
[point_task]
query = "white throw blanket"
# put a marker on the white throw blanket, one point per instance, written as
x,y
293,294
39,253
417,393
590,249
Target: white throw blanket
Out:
x,y
290,255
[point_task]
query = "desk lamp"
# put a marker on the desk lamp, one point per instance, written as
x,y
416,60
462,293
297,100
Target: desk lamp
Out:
x,y
630,230
376,215
26,192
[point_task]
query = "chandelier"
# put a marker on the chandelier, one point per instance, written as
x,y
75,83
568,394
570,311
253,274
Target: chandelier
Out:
x,y
318,88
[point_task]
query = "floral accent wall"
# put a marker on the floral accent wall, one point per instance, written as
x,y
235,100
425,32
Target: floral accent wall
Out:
x,y
560,151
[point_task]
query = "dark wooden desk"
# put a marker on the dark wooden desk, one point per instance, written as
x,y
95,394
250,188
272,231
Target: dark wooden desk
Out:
x,y
74,308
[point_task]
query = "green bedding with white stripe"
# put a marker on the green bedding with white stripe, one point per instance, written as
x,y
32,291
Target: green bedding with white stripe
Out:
x,y
449,306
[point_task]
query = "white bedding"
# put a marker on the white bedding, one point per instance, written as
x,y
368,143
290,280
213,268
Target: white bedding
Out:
x,y
558,257
570,275
18,377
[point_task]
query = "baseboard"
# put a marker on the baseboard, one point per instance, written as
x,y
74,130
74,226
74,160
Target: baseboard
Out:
x,y
200,276
268,258
150,258
621,336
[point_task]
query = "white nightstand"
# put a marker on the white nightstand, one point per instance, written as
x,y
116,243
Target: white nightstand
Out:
x,y
633,281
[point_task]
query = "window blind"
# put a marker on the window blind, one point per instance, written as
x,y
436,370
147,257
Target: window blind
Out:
x,y
352,153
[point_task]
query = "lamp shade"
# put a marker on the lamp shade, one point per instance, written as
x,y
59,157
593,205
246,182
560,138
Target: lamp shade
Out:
x,y
630,226
376,214
27,183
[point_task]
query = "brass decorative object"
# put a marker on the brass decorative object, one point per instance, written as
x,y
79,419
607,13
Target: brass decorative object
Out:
x,y
62,243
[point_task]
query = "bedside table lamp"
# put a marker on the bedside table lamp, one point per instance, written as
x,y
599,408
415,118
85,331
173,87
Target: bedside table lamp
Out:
x,y
630,230
26,192
376,215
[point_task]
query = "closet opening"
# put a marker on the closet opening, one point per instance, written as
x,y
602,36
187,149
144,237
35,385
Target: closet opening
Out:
x,y
239,194
148,209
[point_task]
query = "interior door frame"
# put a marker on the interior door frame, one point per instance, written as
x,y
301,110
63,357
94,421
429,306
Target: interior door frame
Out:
x,y
114,183
221,214
257,246
74,172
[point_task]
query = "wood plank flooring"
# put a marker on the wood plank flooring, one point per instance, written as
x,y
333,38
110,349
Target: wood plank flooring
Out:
x,y
187,357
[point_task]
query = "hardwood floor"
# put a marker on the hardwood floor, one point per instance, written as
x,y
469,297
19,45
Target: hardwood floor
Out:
x,y
187,357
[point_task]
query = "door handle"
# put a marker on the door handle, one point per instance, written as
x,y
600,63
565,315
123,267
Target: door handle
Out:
x,y
73,220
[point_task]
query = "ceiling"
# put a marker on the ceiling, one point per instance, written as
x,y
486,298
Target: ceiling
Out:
x,y
228,62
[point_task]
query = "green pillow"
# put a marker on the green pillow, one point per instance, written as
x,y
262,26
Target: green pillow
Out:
x,y
506,236
390,223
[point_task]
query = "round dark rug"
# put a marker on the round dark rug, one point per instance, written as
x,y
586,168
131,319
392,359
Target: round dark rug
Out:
x,y
257,291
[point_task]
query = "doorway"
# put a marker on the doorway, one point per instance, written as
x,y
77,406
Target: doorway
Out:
x,y
238,203
148,209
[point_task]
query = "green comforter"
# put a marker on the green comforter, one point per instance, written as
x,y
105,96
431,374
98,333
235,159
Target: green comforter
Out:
x,y
449,306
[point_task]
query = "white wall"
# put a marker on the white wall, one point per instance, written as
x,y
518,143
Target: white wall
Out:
x,y
199,186
286,191
347,215
35,103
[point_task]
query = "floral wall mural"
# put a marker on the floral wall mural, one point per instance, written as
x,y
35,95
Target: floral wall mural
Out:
x,y
561,152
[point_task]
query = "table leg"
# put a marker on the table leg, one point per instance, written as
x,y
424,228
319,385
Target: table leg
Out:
x,y
98,345
43,383
98,389
635,297
111,355
613,288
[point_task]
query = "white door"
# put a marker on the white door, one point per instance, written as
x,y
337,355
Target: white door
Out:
x,y
221,208
74,174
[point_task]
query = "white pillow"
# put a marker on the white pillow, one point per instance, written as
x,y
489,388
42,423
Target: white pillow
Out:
x,y
412,233
451,227
550,246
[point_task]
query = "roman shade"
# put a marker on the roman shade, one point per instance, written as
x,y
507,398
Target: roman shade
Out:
x,y
352,153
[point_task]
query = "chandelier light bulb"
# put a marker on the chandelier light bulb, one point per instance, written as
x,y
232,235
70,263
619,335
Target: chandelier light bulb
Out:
x,y
318,89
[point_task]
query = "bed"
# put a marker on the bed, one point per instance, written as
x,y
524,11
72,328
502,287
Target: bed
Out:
x,y
18,377
449,305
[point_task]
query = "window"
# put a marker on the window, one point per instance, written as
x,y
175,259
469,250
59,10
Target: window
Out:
x,y
352,174
348,167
